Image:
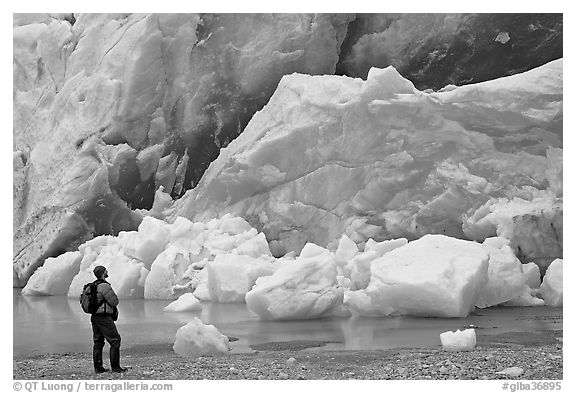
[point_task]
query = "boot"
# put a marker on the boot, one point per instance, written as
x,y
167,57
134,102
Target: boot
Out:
x,y
97,358
115,360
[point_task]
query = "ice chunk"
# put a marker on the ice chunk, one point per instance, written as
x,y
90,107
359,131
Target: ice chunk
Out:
x,y
234,225
531,273
145,245
55,276
385,246
360,269
186,302
435,275
464,340
359,303
311,250
533,223
202,291
218,242
302,289
230,276
552,287
198,338
346,251
167,271
505,277
528,298
126,275
254,247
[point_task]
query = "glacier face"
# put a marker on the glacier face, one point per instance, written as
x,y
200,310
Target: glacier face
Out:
x,y
112,109
380,159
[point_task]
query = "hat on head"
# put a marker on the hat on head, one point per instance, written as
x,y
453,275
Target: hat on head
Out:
x,y
99,271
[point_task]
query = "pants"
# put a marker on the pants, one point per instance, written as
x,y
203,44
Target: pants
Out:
x,y
103,327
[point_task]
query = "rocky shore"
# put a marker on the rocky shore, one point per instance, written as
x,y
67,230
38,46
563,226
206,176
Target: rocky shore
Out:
x,y
538,354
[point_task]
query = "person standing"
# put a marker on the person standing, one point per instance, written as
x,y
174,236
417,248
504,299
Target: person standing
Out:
x,y
103,326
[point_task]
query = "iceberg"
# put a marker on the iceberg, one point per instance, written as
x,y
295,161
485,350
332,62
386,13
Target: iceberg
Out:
x,y
168,276
186,302
552,286
305,288
505,277
196,338
230,276
464,340
435,276
531,273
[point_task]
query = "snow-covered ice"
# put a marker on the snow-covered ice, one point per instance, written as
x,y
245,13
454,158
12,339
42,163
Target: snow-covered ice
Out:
x,y
552,286
436,276
55,276
186,302
464,340
197,338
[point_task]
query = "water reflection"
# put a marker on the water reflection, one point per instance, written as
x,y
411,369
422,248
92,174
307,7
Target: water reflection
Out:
x,y
56,324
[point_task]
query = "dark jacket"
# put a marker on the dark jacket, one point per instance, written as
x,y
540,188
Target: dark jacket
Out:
x,y
106,292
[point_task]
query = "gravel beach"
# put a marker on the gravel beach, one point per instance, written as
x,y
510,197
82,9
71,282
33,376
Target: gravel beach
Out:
x,y
538,354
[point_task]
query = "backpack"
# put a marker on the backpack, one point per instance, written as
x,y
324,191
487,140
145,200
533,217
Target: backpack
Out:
x,y
89,299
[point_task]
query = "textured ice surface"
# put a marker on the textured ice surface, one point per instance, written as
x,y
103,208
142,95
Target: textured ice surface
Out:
x,y
331,155
186,302
532,222
197,338
168,276
231,276
164,260
531,272
505,277
109,109
301,289
464,340
112,107
552,286
434,276
55,276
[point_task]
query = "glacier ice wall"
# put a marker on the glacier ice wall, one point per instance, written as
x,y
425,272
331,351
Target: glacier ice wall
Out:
x,y
111,108
380,159
108,109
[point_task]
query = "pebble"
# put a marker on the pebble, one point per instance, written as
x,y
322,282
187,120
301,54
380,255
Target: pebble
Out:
x,y
291,361
283,375
443,370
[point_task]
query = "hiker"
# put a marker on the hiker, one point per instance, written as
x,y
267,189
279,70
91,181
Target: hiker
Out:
x,y
103,326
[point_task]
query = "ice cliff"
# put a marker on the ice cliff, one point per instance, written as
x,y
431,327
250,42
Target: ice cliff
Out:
x,y
380,159
117,115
